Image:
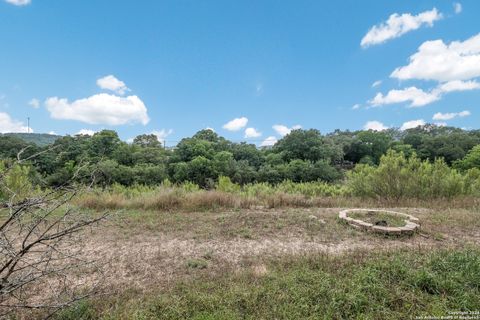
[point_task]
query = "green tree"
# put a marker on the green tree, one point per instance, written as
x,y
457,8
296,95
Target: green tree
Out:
x,y
190,148
248,152
179,172
470,161
368,143
200,171
147,141
11,146
104,143
124,154
224,164
406,149
153,156
149,174
304,171
105,172
270,174
207,135
431,142
244,173
307,145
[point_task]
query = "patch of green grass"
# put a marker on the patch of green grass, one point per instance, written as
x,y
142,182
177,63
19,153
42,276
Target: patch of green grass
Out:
x,y
390,285
83,310
197,264
375,217
438,236
245,233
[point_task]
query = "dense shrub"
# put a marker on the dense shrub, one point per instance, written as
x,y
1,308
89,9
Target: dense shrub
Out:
x,y
226,185
17,182
399,177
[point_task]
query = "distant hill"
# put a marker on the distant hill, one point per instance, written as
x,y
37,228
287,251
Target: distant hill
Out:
x,y
40,139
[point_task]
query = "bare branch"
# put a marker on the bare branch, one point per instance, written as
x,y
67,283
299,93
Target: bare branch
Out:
x,y
40,246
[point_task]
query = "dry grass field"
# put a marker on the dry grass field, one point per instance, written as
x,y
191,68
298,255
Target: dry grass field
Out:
x,y
203,264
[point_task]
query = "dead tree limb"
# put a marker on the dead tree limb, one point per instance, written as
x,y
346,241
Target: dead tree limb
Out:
x,y
41,260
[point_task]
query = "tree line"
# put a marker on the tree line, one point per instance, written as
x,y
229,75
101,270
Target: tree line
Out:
x,y
301,156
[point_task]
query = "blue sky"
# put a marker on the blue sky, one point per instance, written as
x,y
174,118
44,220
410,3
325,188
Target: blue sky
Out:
x,y
175,67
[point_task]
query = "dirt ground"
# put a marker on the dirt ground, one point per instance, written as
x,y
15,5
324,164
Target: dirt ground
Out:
x,y
144,250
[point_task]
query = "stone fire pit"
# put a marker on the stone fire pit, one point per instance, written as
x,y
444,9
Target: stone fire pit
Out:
x,y
379,225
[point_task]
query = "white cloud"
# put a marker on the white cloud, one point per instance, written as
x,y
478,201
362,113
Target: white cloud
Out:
x,y
419,98
284,130
281,129
356,106
100,109
412,124
269,141
18,2
34,103
457,7
162,134
376,83
7,124
444,116
438,61
236,124
111,83
416,97
52,133
397,25
450,116
440,124
252,133
458,85
454,66
86,132
375,126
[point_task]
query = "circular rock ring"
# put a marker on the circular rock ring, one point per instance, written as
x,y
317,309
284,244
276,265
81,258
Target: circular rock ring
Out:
x,y
411,222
